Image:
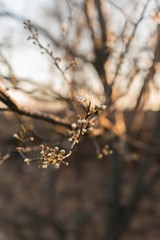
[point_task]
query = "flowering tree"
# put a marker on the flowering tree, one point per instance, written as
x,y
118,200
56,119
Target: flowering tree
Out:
x,y
88,44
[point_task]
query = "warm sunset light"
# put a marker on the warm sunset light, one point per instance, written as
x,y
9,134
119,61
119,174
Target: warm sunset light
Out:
x,y
79,119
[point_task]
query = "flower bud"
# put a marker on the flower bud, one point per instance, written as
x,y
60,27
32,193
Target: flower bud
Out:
x,y
56,149
15,135
103,107
84,131
26,160
84,121
57,165
44,166
73,125
62,151
79,121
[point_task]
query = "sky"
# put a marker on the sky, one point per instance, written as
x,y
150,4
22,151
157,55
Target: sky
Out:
x,y
26,58
22,52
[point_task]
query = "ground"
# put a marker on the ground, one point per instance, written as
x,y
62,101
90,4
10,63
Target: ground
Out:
x,y
69,203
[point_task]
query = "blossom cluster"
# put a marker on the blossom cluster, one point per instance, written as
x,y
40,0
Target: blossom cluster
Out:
x,y
82,126
49,156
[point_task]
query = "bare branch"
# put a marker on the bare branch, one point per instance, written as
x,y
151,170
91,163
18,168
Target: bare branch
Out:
x,y
11,103
47,34
135,27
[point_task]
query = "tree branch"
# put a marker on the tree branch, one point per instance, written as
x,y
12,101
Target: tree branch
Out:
x,y
14,107
50,37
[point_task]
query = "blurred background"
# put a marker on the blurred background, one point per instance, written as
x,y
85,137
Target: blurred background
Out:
x,y
51,54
